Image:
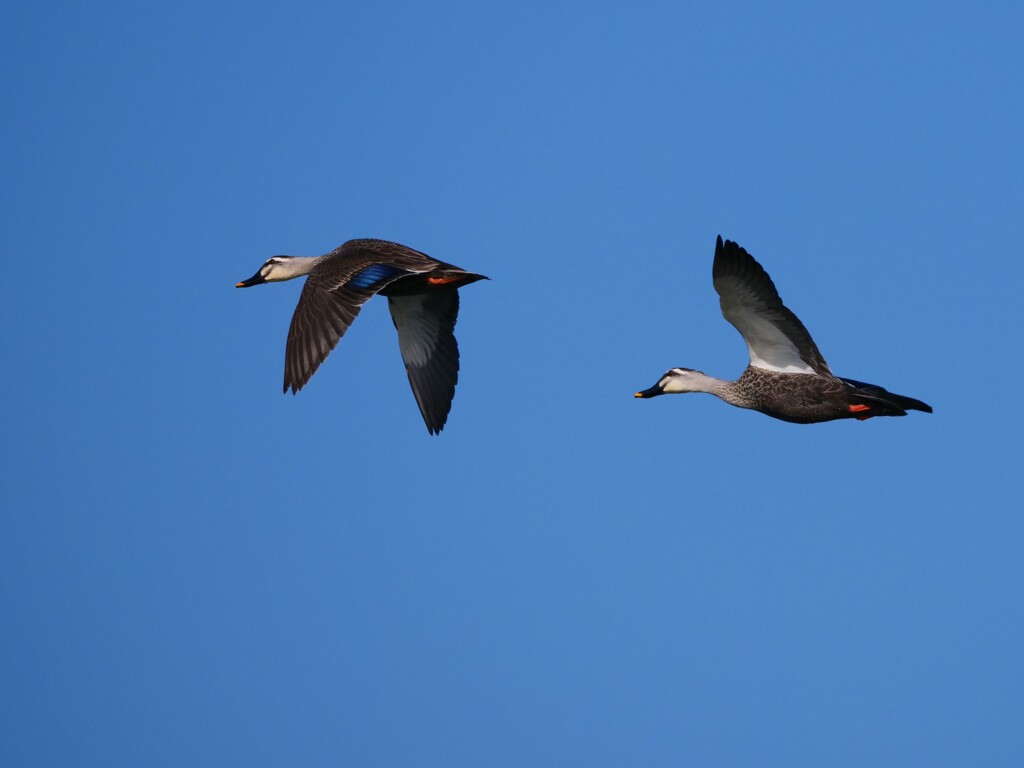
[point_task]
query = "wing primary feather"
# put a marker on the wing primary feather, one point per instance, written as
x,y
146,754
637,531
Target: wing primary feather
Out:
x,y
775,337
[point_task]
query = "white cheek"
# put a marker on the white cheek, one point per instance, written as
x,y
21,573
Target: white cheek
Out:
x,y
674,385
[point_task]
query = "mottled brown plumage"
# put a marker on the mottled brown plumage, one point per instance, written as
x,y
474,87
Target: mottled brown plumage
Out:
x,y
423,298
788,377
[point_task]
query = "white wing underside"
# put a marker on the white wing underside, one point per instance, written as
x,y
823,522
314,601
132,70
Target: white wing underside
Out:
x,y
769,347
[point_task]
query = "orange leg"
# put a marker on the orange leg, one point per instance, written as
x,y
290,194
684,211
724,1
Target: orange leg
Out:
x,y
441,280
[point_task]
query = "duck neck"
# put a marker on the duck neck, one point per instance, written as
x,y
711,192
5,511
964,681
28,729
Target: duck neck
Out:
x,y
745,392
731,393
720,388
699,382
296,266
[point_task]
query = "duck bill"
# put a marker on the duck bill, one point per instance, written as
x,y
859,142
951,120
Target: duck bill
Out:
x,y
652,392
256,279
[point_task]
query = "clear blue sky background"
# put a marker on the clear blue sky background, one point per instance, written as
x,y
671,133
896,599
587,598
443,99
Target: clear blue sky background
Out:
x,y
196,570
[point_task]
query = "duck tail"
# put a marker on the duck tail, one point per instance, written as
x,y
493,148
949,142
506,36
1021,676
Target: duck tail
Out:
x,y
873,395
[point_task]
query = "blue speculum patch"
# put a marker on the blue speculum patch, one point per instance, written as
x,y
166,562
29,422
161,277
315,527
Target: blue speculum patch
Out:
x,y
373,274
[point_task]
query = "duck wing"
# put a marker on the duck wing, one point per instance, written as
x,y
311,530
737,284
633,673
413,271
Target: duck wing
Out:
x,y
426,337
335,291
775,337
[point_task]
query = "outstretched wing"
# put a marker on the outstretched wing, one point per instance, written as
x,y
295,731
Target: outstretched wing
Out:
x,y
320,320
775,337
335,291
426,336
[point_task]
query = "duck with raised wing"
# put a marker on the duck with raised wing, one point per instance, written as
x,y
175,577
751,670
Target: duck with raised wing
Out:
x,y
423,298
787,377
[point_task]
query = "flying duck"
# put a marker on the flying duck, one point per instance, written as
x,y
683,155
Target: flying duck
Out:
x,y
423,298
787,377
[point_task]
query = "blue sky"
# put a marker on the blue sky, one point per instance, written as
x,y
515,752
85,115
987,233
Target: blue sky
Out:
x,y
197,570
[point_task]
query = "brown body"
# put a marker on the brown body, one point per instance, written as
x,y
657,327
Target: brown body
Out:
x,y
788,377
423,299
808,399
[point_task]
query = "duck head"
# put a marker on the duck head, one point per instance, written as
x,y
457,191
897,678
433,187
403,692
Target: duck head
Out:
x,y
279,268
677,380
